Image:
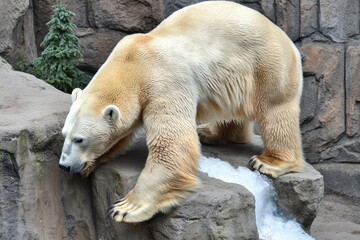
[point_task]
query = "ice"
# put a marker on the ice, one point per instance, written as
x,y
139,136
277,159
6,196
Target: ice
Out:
x,y
272,223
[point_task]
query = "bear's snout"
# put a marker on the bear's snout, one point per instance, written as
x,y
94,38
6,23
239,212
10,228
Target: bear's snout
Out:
x,y
74,169
65,168
69,165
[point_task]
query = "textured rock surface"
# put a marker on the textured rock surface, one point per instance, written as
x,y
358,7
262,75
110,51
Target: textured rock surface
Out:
x,y
288,17
342,178
323,63
17,39
217,211
300,194
339,19
37,200
338,218
127,16
308,17
353,89
99,44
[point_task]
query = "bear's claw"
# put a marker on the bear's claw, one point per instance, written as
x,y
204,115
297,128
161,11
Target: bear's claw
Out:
x,y
134,209
252,161
256,163
115,214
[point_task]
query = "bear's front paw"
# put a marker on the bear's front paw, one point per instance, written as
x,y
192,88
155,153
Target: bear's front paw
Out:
x,y
132,209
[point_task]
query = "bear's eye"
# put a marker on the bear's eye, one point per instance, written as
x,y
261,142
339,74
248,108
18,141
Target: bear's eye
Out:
x,y
78,140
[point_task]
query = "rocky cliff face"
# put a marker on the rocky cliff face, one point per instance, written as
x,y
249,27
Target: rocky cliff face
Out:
x,y
39,201
17,30
326,32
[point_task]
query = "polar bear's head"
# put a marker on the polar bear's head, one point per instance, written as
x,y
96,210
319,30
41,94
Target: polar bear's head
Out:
x,y
90,130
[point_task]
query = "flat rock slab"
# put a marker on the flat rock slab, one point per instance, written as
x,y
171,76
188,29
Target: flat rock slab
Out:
x,y
218,210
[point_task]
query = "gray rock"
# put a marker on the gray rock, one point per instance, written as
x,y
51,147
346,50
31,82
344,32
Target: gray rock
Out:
x,y
99,44
126,16
309,99
323,61
309,17
17,35
110,182
288,17
352,89
43,9
217,211
174,5
300,194
37,201
268,9
339,19
342,178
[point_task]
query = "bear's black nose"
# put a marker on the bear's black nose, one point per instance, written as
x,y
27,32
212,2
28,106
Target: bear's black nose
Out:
x,y
65,168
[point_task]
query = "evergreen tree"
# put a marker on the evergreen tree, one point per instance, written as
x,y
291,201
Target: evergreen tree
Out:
x,y
57,63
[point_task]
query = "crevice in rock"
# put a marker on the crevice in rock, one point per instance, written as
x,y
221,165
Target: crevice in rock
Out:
x,y
9,164
345,88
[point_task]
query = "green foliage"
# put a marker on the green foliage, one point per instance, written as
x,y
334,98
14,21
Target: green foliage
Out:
x,y
57,63
23,66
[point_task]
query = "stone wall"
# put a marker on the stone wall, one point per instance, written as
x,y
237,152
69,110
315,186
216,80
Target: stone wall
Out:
x,y
326,32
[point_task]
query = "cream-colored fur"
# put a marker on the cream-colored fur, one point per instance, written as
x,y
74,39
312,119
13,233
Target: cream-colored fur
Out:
x,y
215,62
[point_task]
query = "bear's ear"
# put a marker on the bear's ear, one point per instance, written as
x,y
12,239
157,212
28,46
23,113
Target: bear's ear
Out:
x,y
111,113
75,93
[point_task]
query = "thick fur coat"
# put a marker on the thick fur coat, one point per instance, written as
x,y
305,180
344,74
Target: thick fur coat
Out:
x,y
216,63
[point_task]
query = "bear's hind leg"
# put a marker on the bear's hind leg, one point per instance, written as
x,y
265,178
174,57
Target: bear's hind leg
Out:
x,y
228,132
280,132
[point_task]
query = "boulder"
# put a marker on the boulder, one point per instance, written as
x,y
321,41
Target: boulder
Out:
x,y
212,212
17,37
218,210
37,200
300,194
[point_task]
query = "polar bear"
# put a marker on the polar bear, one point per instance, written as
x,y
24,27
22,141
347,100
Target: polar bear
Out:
x,y
217,63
